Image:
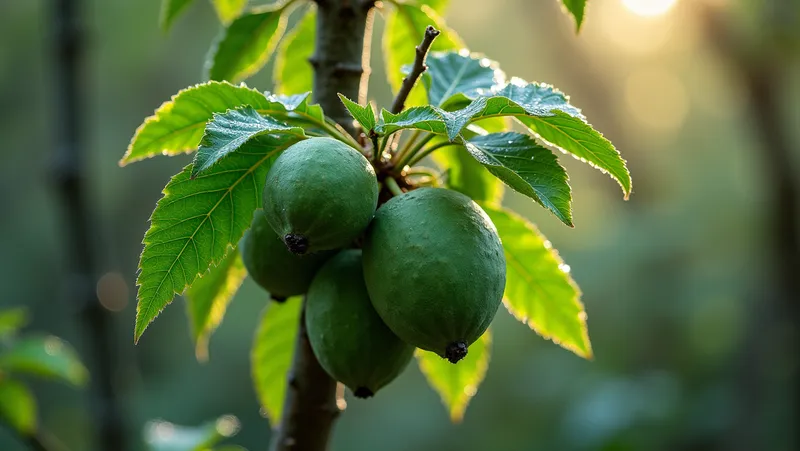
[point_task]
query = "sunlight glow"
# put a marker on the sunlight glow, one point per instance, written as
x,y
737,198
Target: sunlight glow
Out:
x,y
649,8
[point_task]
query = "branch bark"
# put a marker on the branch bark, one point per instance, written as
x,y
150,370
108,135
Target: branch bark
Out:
x,y
341,65
416,71
68,44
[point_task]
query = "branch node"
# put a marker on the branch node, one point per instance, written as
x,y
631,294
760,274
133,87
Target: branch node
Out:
x,y
416,71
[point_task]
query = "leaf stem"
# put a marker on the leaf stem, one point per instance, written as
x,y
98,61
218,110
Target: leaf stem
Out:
x,y
418,157
410,157
393,187
417,70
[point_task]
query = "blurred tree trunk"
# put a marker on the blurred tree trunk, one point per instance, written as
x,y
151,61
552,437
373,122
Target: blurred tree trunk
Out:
x,y
95,321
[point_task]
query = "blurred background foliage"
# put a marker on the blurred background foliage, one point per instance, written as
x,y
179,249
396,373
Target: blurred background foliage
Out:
x,y
694,344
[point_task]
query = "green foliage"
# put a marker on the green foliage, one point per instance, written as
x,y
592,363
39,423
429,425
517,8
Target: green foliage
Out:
x,y
208,298
456,78
464,125
170,10
272,352
165,436
12,320
577,9
246,45
365,115
457,384
539,290
17,406
405,25
293,74
227,10
198,221
44,356
178,125
228,131
526,167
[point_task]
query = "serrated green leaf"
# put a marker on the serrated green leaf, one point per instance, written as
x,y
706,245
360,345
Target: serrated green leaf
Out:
x,y
577,9
198,220
423,118
457,78
209,296
227,10
271,356
170,10
293,73
177,125
527,168
405,27
539,289
165,436
228,131
297,106
548,114
47,357
17,406
246,45
12,320
365,115
457,383
467,176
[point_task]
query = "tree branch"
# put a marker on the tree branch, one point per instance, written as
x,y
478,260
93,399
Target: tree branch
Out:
x,y
417,70
340,65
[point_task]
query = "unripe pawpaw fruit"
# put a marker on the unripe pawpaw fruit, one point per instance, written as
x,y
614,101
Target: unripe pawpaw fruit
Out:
x,y
347,336
272,266
435,269
320,194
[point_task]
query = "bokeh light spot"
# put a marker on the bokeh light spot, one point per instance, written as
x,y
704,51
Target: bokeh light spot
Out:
x,y
649,8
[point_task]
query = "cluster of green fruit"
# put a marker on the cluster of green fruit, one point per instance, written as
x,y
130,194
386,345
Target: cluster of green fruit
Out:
x,y
429,274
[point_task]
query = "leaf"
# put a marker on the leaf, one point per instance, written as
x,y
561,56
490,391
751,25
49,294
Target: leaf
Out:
x,y
455,77
48,357
539,290
526,167
209,296
467,176
293,73
548,114
246,45
577,9
440,6
457,383
272,352
165,436
17,406
12,320
423,118
177,125
227,10
170,10
405,26
297,106
198,220
228,131
363,114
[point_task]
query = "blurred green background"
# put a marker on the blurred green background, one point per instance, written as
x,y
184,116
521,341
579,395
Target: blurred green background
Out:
x,y
691,312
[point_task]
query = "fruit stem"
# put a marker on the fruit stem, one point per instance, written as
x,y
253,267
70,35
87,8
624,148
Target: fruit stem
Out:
x,y
419,156
393,187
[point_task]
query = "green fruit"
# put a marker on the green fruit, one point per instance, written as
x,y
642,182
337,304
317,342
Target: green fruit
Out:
x,y
320,194
435,269
348,337
272,266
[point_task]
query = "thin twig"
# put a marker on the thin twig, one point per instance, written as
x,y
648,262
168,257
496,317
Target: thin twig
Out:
x,y
417,70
